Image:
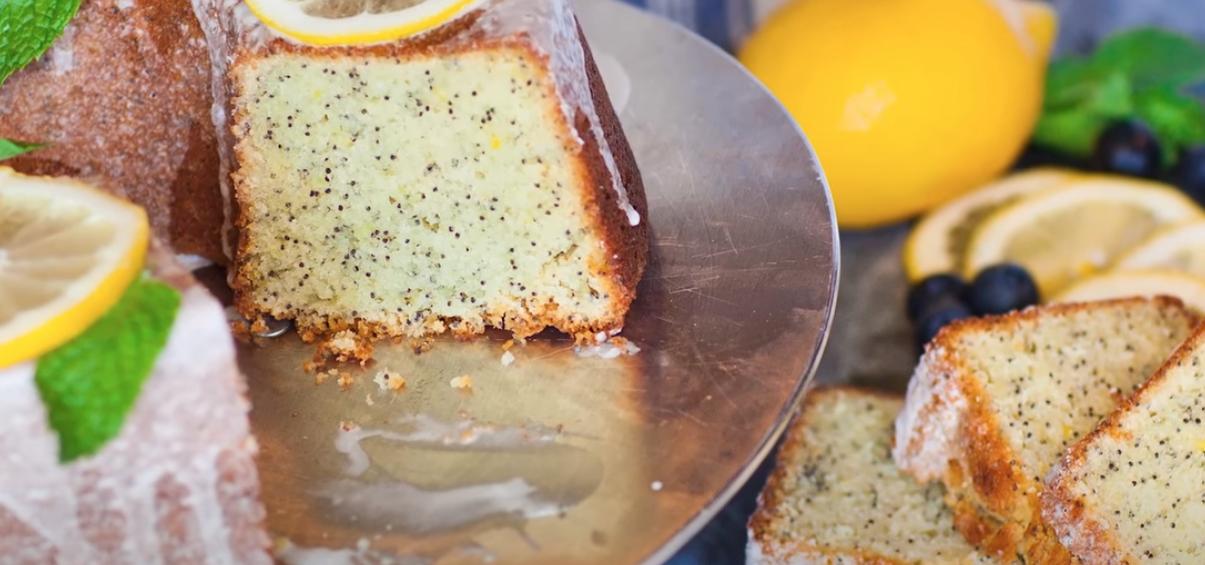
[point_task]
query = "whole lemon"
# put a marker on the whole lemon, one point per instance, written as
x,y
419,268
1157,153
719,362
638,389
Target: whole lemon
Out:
x,y
908,103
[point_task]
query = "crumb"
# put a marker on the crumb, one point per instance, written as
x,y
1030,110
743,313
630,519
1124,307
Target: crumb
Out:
x,y
348,425
463,383
389,381
241,330
343,346
368,399
656,486
259,327
508,359
345,381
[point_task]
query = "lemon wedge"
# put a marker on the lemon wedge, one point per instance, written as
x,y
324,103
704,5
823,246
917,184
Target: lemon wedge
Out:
x,y
938,243
1179,248
355,22
67,253
1076,230
1122,284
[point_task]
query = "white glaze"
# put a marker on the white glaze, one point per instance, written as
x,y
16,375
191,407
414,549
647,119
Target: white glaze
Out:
x,y
191,411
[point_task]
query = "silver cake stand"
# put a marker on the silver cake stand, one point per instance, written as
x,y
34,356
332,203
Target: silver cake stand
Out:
x,y
562,457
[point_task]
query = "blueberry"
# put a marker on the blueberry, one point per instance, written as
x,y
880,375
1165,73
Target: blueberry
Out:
x,y
1001,289
940,314
1130,148
1190,173
930,290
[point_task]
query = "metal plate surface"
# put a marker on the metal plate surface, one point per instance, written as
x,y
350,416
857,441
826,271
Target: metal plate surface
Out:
x,y
560,458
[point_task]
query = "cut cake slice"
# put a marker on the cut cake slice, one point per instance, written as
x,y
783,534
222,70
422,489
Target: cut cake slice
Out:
x,y
1133,491
996,401
836,496
123,99
177,485
474,175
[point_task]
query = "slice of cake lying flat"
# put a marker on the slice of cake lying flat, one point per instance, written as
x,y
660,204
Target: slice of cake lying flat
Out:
x,y
1133,491
837,497
177,483
474,175
995,402
123,98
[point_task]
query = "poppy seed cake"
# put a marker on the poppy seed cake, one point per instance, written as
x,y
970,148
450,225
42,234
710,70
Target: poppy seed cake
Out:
x,y
995,402
1133,491
475,175
837,497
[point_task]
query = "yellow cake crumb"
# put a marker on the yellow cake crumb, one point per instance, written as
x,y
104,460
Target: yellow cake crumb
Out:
x,y
463,383
388,380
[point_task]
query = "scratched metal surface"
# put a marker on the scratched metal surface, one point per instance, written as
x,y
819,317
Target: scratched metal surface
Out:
x,y
560,458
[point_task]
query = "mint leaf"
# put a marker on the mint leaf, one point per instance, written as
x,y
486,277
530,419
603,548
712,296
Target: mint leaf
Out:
x,y
1153,57
1177,119
1138,74
10,148
90,384
28,28
1073,131
1073,127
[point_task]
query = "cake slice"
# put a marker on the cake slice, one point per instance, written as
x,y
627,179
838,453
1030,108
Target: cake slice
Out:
x,y
123,99
836,496
125,436
995,402
473,175
1133,491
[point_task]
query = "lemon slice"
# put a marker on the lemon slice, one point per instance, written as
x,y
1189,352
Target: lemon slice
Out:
x,y
67,253
938,243
1122,284
355,22
1076,230
1179,248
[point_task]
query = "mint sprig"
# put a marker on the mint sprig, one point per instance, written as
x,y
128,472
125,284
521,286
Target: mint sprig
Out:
x,y
10,148
28,28
1143,74
90,384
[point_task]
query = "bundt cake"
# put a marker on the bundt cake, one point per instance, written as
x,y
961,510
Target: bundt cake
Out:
x,y
123,99
175,481
473,175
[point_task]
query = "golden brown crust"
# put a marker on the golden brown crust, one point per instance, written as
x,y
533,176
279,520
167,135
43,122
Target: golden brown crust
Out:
x,y
1067,513
996,505
626,247
775,493
124,100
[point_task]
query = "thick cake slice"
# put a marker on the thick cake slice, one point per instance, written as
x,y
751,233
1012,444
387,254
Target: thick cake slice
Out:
x,y
996,401
837,497
475,175
1133,491
123,98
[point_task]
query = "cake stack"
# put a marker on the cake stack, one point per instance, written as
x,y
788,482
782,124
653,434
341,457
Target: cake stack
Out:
x,y
1045,432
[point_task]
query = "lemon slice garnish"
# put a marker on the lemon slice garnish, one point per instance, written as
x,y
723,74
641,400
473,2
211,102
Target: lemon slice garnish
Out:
x,y
1076,230
938,243
1179,248
1123,284
355,22
67,253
